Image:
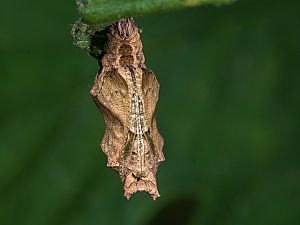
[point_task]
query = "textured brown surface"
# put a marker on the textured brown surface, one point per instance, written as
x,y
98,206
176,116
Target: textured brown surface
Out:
x,y
126,92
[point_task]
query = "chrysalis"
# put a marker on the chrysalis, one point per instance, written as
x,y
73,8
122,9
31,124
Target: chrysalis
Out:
x,y
126,92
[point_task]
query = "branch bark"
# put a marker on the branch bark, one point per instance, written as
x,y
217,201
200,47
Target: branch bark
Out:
x,y
106,11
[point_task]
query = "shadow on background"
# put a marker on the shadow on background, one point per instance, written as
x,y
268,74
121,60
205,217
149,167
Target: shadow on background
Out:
x,y
175,212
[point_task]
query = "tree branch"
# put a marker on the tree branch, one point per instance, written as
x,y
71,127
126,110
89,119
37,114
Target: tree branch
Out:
x,y
106,11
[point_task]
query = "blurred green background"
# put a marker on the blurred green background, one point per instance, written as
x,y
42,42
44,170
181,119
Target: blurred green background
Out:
x,y
228,110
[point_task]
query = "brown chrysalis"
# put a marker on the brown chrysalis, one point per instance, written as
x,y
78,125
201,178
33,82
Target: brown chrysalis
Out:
x,y
126,92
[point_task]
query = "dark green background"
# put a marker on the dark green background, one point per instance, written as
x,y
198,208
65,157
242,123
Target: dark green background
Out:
x,y
228,111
